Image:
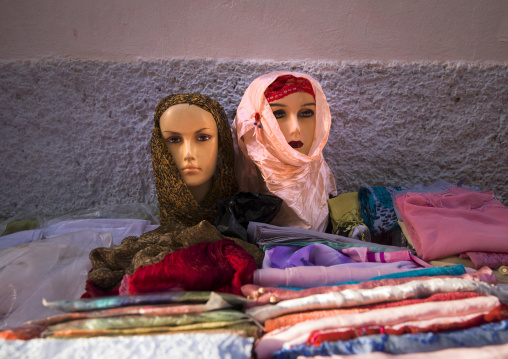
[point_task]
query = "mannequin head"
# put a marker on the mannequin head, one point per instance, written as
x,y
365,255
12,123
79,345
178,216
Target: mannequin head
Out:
x,y
296,116
293,104
192,158
190,134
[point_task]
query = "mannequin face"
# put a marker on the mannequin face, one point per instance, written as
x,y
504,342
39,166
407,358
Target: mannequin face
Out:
x,y
296,115
190,133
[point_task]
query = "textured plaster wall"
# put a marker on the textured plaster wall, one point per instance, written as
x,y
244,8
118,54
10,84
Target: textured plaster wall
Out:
x,y
75,133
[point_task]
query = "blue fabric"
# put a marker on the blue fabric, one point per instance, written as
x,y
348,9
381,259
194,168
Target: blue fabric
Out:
x,y
487,334
377,208
455,270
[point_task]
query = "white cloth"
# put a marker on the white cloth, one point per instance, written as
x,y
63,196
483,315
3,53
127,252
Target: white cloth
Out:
x,y
205,346
119,229
54,268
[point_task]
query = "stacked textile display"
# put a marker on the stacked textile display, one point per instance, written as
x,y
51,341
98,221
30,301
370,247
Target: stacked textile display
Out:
x,y
434,307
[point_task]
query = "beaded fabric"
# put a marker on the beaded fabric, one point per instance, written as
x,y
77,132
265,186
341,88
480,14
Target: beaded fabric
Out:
x,y
176,203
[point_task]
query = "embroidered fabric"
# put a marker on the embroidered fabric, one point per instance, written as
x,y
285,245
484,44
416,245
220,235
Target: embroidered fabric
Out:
x,y
486,352
199,345
486,334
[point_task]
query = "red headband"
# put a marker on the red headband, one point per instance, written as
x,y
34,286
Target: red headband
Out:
x,y
286,85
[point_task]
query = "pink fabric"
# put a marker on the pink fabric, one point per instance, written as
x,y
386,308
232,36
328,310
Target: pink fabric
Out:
x,y
487,352
461,220
432,311
264,295
491,260
363,254
266,163
315,276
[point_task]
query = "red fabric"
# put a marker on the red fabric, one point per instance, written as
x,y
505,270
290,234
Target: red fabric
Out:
x,y
222,266
22,333
286,85
91,291
318,337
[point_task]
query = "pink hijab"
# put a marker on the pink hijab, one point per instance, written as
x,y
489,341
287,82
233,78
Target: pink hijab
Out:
x,y
266,163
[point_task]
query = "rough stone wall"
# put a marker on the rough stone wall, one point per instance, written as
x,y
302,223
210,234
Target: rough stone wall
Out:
x,y
75,134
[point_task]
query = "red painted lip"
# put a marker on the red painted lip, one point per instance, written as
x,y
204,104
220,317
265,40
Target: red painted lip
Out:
x,y
296,144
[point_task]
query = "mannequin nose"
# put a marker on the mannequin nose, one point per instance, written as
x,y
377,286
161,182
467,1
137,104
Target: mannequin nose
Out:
x,y
294,126
189,151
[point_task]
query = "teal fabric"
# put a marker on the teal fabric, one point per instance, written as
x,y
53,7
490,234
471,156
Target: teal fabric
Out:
x,y
455,270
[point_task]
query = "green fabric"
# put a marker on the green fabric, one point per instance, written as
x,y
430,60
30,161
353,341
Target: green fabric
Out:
x,y
18,226
142,321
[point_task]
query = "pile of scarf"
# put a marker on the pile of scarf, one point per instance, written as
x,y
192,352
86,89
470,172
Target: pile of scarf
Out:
x,y
360,298
165,312
183,253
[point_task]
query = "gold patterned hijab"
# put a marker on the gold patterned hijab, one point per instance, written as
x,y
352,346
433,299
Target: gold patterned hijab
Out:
x,y
176,203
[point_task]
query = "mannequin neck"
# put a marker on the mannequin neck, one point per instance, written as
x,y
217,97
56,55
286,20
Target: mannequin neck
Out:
x,y
200,192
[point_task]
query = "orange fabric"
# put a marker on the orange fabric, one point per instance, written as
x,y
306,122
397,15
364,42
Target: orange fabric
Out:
x,y
291,319
495,315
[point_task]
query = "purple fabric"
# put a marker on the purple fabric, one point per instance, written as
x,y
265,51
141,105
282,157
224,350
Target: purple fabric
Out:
x,y
322,255
319,276
311,255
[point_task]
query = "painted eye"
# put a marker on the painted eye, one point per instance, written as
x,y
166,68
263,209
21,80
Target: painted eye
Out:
x,y
202,138
279,114
173,139
306,113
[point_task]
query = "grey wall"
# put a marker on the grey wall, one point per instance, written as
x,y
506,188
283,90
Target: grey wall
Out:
x,y
75,134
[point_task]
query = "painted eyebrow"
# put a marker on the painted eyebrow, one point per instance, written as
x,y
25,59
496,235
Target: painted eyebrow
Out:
x,y
177,133
305,104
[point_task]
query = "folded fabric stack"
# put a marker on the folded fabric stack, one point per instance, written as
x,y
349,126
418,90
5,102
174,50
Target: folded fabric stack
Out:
x,y
323,295
196,324
168,312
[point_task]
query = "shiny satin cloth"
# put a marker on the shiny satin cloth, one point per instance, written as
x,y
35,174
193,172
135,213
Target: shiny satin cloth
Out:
x,y
351,298
266,163
429,312
261,295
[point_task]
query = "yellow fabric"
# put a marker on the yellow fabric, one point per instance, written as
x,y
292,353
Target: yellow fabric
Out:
x,y
345,211
405,232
